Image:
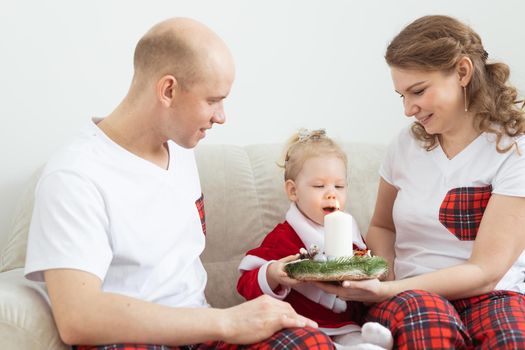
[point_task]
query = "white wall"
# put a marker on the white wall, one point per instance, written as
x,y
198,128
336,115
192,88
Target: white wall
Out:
x,y
311,63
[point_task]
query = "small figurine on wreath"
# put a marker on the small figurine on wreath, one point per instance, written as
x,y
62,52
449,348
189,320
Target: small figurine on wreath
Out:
x,y
316,184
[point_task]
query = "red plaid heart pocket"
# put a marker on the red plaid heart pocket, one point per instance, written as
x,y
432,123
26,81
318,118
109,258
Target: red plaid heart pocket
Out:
x,y
200,207
462,210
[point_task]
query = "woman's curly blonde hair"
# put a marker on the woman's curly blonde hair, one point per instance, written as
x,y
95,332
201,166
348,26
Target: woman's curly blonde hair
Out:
x,y
307,144
437,43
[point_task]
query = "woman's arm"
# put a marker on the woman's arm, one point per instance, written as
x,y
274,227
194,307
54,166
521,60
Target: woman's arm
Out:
x,y
499,243
381,233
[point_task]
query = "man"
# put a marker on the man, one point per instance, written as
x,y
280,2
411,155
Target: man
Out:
x,y
116,232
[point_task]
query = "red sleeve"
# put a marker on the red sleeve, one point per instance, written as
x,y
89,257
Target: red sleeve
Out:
x,y
279,243
248,285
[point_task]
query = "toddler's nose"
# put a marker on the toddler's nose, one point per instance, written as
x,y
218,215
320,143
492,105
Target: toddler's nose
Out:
x,y
330,195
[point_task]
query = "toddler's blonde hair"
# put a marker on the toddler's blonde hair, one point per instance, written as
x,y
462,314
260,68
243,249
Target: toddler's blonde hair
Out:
x,y
307,144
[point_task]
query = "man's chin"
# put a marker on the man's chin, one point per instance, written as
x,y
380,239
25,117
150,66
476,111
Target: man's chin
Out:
x,y
188,144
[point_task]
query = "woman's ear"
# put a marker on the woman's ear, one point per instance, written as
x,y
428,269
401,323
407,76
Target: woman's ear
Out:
x,y
464,69
291,190
166,89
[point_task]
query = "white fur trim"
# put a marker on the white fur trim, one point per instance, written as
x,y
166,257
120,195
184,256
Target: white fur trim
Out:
x,y
265,287
308,231
349,328
339,306
329,301
251,262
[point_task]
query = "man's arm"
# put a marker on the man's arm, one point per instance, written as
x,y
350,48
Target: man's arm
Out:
x,y
86,315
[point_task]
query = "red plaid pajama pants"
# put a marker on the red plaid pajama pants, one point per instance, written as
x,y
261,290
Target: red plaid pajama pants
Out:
x,y
291,338
422,320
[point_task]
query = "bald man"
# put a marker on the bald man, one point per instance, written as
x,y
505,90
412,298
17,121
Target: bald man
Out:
x,y
116,232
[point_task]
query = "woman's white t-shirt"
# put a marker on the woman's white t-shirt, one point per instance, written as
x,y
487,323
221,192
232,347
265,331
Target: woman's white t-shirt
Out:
x,y
440,201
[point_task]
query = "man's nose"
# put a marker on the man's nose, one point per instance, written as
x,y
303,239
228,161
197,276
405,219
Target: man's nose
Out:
x,y
219,117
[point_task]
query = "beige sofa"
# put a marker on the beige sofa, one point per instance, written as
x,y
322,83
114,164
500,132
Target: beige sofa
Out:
x,y
244,199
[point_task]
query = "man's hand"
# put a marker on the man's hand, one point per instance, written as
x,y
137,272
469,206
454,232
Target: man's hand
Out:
x,y
276,275
259,319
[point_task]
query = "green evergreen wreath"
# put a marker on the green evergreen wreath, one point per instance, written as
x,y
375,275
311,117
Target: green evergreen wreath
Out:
x,y
340,269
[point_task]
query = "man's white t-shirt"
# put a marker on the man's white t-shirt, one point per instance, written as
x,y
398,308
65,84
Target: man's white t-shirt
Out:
x,y
101,209
440,201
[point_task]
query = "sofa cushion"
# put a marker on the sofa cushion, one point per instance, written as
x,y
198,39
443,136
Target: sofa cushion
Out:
x,y
26,322
13,253
243,200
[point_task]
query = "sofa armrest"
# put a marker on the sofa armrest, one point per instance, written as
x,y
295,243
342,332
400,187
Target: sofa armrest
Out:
x,y
25,316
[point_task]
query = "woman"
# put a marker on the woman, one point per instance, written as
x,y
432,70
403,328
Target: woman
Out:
x,y
450,212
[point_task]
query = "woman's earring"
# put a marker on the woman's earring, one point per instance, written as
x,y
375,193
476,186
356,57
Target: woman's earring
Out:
x,y
465,98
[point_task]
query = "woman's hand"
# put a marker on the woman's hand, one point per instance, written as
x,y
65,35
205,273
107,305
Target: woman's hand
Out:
x,y
370,291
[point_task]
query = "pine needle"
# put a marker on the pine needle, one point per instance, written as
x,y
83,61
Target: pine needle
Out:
x,y
355,267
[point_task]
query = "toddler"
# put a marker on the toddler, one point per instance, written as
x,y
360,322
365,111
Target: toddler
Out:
x,y
315,174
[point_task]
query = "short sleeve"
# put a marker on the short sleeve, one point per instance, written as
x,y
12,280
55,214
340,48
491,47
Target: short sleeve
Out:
x,y
386,170
510,178
69,227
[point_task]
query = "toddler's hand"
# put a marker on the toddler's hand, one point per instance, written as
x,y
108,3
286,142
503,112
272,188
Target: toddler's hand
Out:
x,y
276,275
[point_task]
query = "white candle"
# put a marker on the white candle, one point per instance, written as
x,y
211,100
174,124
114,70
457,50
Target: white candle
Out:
x,y
338,234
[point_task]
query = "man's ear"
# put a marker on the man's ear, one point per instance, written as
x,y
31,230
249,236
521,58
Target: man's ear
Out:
x,y
166,89
291,190
464,69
